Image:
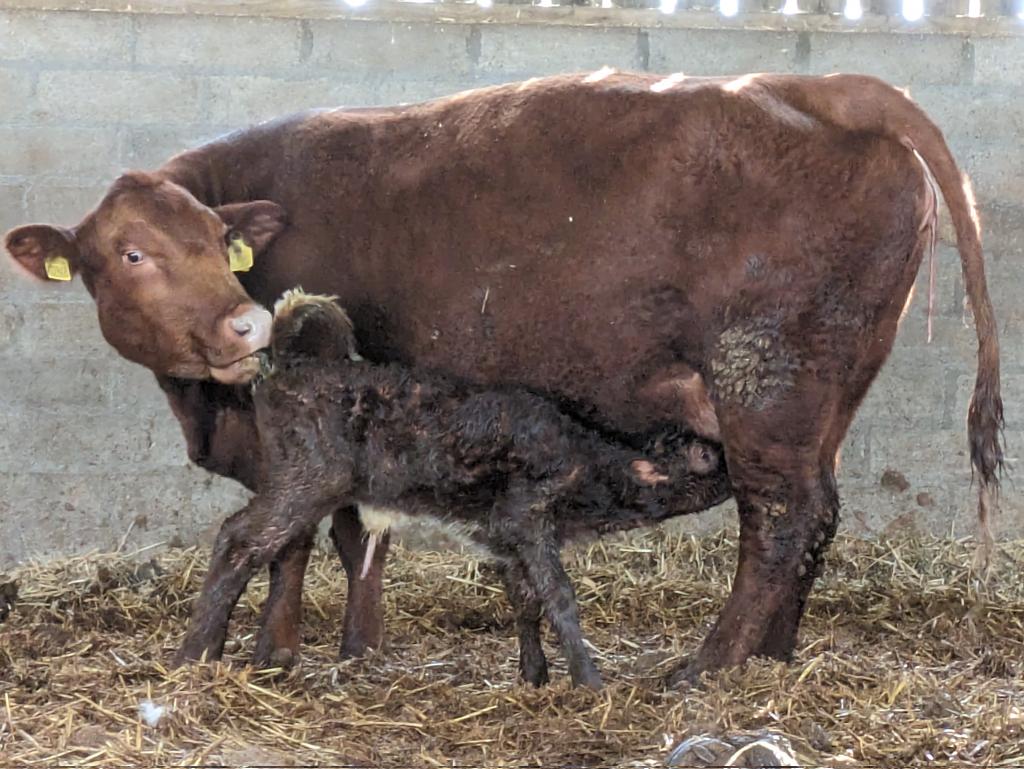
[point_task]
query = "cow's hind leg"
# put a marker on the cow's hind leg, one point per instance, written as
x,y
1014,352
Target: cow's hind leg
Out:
x,y
364,614
533,665
777,414
278,638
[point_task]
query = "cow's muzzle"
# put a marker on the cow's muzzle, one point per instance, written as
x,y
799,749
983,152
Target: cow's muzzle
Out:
x,y
248,331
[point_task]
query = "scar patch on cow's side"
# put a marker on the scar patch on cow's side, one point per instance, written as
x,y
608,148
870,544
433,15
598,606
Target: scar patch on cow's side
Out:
x,y
751,364
646,473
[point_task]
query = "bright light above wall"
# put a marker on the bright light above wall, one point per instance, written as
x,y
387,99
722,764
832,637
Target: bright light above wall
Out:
x,y
853,10
913,9
667,6
485,3
729,7
791,7
355,3
974,8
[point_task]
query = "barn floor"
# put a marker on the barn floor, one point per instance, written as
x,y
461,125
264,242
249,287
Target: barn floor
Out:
x,y
902,663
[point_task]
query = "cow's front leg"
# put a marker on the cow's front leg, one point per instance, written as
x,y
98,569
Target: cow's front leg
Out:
x,y
364,613
278,637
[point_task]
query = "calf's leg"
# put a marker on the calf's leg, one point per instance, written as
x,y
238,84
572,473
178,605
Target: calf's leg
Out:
x,y
225,581
533,665
364,615
248,540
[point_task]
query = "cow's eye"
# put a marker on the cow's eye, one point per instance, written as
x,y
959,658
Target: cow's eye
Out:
x,y
134,257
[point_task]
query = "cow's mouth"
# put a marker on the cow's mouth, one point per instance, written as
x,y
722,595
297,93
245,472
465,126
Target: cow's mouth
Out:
x,y
238,372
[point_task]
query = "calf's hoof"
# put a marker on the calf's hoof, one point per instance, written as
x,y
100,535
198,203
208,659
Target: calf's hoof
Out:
x,y
189,654
587,677
355,645
535,675
686,676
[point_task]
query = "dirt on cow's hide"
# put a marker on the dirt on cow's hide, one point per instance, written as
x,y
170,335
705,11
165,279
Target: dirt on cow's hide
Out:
x,y
902,662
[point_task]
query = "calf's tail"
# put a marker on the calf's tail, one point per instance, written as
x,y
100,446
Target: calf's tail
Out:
x,y
866,104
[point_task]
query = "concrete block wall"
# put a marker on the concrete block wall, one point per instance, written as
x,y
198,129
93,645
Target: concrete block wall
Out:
x,y
90,456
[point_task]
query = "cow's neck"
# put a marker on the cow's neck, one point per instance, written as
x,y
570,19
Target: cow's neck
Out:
x,y
235,168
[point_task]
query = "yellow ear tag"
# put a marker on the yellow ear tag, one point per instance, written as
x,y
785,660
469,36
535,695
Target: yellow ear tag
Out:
x,y
239,255
57,268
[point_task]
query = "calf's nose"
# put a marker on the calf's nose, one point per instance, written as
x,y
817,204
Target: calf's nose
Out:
x,y
251,324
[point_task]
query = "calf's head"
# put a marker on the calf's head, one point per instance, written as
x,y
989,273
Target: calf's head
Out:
x,y
156,262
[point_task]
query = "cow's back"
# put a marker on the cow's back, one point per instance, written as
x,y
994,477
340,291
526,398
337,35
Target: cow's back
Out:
x,y
581,237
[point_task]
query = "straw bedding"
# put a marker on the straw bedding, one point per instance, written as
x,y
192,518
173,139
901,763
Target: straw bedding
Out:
x,y
902,662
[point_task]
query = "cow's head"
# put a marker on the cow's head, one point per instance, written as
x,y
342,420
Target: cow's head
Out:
x,y
156,262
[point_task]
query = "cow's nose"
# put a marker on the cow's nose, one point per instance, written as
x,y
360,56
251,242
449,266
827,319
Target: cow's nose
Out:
x,y
251,324
242,326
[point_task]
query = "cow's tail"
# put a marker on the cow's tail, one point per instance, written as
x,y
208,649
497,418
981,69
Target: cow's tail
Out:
x,y
311,326
866,104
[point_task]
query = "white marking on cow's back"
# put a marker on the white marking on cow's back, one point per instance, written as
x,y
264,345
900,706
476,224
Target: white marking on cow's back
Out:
x,y
737,85
599,75
665,83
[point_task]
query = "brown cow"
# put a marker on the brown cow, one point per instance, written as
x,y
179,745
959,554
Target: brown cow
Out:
x,y
597,238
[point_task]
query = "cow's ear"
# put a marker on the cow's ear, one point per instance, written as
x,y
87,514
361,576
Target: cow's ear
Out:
x,y
43,251
258,222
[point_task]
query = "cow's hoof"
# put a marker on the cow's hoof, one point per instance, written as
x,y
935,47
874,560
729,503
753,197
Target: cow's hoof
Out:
x,y
282,657
354,647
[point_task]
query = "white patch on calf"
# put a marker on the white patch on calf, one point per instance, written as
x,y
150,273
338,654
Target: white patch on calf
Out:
x,y
378,520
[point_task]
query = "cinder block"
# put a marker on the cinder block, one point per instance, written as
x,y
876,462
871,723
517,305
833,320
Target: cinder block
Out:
x,y
55,320
968,114
52,514
56,383
900,59
151,147
216,43
401,90
16,87
1002,226
911,393
349,48
533,50
62,150
244,100
998,61
55,39
854,456
55,203
931,510
1005,280
721,52
12,319
62,438
132,98
996,171
12,209
926,458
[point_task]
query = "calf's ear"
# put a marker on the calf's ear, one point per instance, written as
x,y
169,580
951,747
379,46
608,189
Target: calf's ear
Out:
x,y
258,222
43,251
